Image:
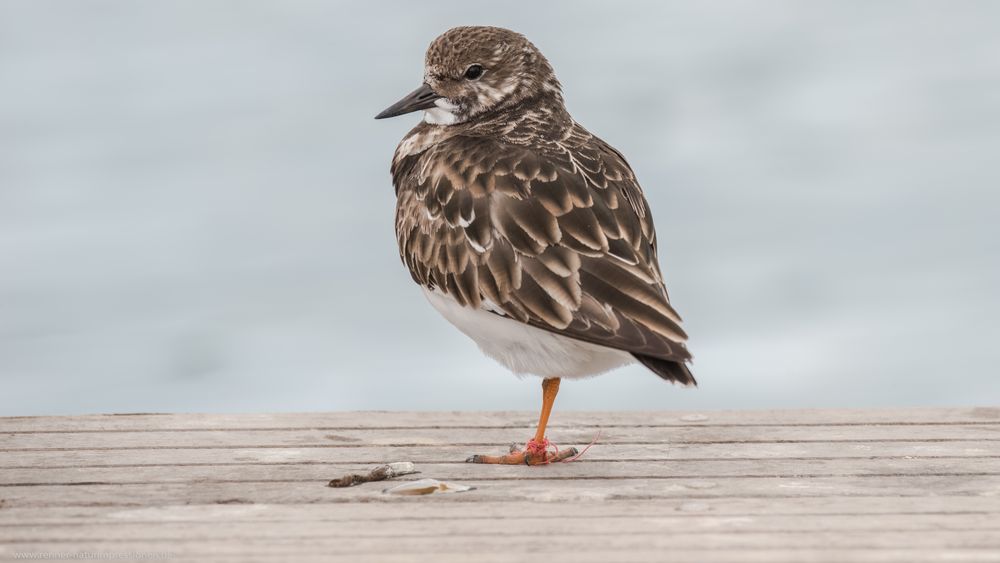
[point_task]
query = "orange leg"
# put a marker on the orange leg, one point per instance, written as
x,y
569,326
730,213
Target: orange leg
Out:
x,y
550,388
536,453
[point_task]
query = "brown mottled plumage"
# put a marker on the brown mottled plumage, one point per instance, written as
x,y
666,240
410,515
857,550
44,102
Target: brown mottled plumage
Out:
x,y
525,230
518,205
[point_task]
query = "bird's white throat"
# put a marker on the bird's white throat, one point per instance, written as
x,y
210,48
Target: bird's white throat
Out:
x,y
443,114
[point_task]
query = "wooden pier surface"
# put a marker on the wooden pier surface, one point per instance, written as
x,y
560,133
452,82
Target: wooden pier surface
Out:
x,y
771,486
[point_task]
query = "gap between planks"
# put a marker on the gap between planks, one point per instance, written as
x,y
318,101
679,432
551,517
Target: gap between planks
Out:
x,y
526,426
353,463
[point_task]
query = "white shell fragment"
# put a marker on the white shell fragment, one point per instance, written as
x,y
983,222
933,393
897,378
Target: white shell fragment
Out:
x,y
380,473
427,487
400,468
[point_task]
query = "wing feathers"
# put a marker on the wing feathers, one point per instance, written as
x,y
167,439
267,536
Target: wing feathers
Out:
x,y
582,226
564,289
560,260
550,311
556,236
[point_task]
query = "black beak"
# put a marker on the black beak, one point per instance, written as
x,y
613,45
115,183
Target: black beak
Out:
x,y
421,98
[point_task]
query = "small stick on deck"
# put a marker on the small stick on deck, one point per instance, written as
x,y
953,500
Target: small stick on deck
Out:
x,y
380,473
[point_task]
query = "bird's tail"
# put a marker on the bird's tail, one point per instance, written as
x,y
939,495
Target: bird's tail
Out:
x,y
677,372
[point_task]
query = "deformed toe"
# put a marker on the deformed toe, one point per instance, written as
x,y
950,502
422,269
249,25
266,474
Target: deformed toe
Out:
x,y
566,454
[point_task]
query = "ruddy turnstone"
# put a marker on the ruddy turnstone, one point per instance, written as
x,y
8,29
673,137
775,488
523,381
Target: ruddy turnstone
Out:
x,y
526,231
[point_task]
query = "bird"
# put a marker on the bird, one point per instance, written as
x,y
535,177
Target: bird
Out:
x,y
525,231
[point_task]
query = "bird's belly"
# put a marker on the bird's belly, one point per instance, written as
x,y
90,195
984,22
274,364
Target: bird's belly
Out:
x,y
524,349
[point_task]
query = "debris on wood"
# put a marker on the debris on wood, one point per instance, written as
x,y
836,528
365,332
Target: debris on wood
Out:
x,y
380,473
427,487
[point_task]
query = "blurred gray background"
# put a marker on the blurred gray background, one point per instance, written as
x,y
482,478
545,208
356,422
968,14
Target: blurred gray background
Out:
x,y
196,212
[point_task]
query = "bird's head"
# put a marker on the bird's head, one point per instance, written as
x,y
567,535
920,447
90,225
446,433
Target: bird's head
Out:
x,y
471,71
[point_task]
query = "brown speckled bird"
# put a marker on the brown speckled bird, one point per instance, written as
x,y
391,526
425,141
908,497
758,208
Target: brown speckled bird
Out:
x,y
527,232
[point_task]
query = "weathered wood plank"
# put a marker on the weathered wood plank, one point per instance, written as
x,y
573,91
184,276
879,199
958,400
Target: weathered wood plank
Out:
x,y
905,484
695,469
443,454
578,553
500,419
491,437
538,490
523,525
942,506
488,540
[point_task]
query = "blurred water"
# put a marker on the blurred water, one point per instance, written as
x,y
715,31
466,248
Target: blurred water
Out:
x,y
196,213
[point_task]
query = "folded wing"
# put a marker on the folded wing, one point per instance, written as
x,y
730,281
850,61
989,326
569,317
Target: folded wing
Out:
x,y
557,236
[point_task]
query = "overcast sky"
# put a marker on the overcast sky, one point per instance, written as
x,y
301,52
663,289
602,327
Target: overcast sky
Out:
x,y
196,211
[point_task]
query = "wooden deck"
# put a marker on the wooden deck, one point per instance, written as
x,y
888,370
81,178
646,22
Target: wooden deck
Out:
x,y
769,486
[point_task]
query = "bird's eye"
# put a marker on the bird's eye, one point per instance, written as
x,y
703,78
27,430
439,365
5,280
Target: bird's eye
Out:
x,y
473,72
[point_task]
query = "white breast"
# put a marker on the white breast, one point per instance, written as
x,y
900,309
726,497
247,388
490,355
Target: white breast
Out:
x,y
524,349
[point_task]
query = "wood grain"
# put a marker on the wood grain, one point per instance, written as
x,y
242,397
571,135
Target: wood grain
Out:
x,y
840,485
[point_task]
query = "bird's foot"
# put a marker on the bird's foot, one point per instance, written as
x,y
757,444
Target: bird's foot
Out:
x,y
534,453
